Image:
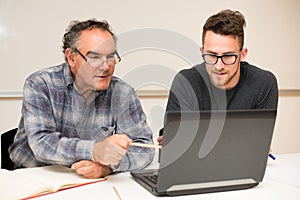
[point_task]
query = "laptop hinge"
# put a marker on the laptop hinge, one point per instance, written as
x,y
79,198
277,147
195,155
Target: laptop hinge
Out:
x,y
210,184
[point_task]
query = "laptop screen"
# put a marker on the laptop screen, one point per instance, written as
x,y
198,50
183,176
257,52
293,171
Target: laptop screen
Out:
x,y
215,147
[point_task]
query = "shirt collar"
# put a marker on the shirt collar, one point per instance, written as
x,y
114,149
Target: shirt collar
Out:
x,y
68,76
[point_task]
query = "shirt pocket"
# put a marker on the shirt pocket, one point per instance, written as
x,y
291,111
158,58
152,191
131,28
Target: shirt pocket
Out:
x,y
102,132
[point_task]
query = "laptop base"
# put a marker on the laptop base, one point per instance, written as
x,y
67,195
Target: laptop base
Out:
x,y
140,178
210,190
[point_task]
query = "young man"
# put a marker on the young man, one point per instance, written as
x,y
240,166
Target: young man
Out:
x,y
78,114
224,80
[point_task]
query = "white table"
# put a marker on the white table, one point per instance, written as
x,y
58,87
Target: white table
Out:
x,y
281,182
129,190
285,169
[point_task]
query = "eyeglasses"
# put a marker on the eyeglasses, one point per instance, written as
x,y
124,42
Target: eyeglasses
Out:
x,y
98,60
227,59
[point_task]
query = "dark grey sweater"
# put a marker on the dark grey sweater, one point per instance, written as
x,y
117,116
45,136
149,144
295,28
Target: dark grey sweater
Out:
x,y
192,90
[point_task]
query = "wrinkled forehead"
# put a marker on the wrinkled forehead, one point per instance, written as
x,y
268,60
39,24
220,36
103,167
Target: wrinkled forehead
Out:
x,y
97,40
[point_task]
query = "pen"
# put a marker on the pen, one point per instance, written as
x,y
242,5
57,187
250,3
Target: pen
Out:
x,y
272,156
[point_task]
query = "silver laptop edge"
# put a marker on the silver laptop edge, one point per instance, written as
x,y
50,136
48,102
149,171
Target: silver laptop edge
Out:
x,y
211,184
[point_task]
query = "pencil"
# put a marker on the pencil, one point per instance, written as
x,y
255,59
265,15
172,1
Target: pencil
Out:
x,y
145,145
117,193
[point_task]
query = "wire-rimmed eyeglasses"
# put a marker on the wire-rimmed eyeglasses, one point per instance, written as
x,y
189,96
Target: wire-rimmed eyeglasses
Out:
x,y
98,60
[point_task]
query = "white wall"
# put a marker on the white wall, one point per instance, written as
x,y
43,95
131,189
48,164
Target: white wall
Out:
x,y
286,138
31,31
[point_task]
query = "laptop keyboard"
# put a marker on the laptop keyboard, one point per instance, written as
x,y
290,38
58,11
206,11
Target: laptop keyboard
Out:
x,y
152,178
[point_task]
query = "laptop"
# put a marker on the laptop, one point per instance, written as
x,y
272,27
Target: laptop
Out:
x,y
210,151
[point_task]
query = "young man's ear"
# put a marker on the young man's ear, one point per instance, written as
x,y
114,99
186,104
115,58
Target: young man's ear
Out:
x,y
201,50
244,53
70,57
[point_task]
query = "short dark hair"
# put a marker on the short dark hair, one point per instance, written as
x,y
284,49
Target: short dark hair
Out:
x,y
75,28
226,22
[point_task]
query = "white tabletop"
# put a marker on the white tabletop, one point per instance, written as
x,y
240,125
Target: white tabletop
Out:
x,y
130,190
281,182
285,169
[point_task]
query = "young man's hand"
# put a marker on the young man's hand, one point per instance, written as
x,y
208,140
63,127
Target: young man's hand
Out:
x,y
160,139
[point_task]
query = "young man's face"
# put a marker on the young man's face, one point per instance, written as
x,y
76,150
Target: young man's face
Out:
x,y
93,44
221,75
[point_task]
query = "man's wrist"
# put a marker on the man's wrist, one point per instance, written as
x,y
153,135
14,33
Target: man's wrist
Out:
x,y
114,168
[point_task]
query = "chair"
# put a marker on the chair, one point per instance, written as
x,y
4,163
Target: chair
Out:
x,y
7,139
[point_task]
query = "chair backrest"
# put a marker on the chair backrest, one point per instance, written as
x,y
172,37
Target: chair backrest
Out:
x,y
7,139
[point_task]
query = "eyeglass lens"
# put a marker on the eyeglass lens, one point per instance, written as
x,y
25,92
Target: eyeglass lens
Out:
x,y
213,59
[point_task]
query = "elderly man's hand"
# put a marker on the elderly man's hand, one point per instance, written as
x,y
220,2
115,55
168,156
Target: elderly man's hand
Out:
x,y
111,150
90,169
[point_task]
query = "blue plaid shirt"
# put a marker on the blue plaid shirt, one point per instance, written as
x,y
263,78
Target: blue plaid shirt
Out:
x,y
58,126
